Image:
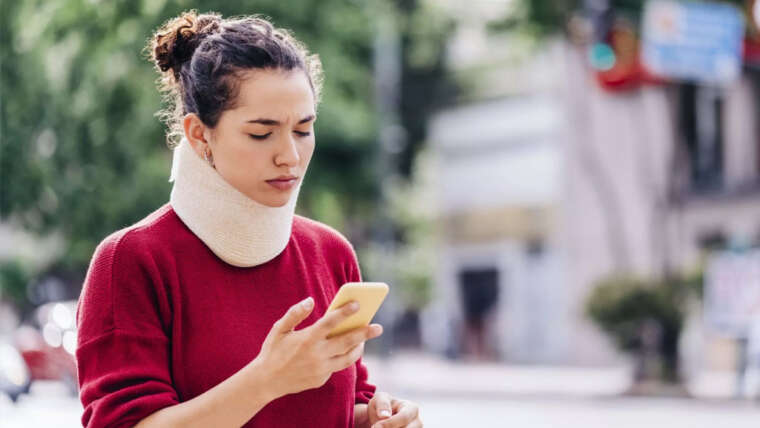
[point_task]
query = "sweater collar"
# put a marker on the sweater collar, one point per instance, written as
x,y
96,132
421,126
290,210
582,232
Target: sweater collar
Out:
x,y
239,230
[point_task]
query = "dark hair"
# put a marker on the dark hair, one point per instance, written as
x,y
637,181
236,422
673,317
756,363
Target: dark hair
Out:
x,y
202,57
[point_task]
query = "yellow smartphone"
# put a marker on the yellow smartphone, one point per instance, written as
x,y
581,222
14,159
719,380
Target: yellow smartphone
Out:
x,y
370,296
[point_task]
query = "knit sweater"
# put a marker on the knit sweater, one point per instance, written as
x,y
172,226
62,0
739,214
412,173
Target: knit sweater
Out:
x,y
162,319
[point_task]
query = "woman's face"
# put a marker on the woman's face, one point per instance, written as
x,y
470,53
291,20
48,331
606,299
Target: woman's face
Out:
x,y
263,145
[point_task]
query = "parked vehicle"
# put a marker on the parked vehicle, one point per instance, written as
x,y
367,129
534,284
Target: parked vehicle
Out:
x,y
14,373
48,345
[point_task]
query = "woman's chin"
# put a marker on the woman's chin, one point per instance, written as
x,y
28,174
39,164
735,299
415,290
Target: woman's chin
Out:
x,y
277,204
272,201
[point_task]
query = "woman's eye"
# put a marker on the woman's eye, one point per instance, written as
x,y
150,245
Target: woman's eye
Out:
x,y
260,137
302,134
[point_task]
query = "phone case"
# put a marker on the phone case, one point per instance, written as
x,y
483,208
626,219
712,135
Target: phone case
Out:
x,y
370,296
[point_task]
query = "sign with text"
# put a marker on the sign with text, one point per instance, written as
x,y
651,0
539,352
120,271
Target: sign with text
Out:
x,y
732,292
694,41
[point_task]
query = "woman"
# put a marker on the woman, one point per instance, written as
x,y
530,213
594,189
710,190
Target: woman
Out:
x,y
181,315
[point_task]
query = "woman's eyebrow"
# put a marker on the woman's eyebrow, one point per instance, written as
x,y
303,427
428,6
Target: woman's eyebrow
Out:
x,y
271,122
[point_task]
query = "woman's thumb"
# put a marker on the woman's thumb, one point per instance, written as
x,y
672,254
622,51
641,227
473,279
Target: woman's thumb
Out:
x,y
295,315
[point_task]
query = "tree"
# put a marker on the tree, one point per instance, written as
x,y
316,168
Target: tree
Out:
x,y
82,154
646,319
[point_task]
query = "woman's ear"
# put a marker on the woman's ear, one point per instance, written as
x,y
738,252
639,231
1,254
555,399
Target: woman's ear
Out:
x,y
196,133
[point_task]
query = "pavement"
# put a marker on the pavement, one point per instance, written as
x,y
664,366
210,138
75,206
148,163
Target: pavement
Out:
x,y
618,412
421,373
456,394
429,374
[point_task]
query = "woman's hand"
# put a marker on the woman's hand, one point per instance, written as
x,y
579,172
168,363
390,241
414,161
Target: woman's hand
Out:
x,y
385,411
306,358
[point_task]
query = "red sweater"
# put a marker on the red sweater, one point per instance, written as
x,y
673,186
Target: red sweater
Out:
x,y
162,319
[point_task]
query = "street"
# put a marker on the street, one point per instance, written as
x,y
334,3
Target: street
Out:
x,y
584,413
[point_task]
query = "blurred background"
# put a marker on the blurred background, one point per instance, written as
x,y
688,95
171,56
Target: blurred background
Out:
x,y
563,195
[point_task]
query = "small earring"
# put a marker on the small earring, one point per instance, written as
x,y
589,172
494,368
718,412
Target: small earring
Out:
x,y
209,158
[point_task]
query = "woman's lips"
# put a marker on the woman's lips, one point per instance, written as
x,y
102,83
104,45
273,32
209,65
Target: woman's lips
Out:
x,y
283,184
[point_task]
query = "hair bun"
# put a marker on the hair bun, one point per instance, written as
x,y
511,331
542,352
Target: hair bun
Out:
x,y
174,42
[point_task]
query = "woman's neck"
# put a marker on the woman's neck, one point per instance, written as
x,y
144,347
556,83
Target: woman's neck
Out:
x,y
239,230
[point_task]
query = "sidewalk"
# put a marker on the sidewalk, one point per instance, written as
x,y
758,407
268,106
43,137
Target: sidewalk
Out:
x,y
428,374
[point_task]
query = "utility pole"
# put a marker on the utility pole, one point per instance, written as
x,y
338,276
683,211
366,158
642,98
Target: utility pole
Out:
x,y
391,141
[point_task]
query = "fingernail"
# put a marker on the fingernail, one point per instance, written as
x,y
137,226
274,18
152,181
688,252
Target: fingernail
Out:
x,y
353,306
308,303
384,413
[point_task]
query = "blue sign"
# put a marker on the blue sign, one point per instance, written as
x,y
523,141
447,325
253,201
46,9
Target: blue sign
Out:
x,y
693,40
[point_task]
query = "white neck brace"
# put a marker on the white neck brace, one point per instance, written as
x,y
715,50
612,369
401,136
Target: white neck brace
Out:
x,y
239,230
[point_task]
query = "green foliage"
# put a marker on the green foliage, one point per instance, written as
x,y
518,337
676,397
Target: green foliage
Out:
x,y
82,153
539,18
411,262
425,83
625,307
14,277
620,305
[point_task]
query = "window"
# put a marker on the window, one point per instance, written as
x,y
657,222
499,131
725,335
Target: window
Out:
x,y
712,241
479,292
701,126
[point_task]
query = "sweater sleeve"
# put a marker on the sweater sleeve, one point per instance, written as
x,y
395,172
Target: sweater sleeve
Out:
x,y
123,350
364,390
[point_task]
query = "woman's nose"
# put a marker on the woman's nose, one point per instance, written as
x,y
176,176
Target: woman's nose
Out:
x,y
287,152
